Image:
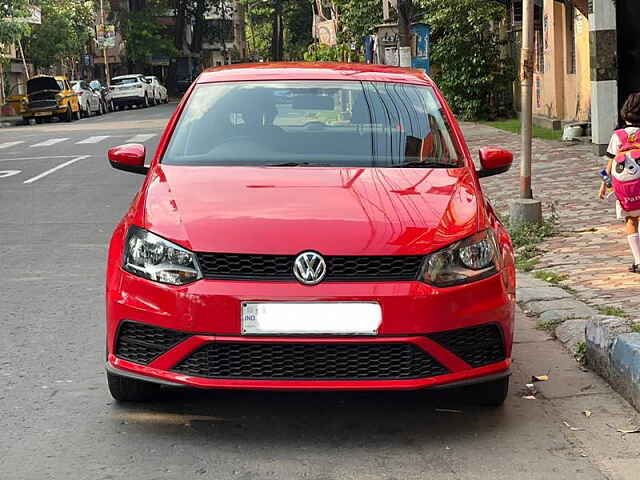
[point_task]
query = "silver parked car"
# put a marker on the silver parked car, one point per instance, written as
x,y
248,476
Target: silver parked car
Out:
x,y
159,91
90,100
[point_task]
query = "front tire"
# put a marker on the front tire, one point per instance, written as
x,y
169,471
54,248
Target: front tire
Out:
x,y
125,389
68,117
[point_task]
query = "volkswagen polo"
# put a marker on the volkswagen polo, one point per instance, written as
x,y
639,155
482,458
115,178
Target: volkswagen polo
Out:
x,y
310,226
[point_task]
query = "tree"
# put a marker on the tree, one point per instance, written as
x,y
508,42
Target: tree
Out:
x,y
357,19
63,35
278,29
409,11
145,36
11,28
472,71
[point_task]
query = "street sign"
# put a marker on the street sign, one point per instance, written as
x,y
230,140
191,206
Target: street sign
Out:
x,y
106,36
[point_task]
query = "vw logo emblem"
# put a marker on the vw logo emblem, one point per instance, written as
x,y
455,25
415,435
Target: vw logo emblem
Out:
x,y
309,268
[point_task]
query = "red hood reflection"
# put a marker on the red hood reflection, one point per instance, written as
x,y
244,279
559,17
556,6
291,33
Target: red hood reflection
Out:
x,y
335,211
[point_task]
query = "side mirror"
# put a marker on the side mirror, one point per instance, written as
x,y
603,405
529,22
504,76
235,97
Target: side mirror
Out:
x,y
494,161
129,158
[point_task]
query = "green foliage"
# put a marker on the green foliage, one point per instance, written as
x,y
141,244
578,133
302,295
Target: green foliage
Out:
x,y
550,277
635,328
612,311
581,353
548,325
324,53
513,125
62,37
297,18
357,18
527,236
11,31
472,68
146,37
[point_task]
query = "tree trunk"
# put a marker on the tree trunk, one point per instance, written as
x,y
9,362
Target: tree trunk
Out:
x,y
404,9
199,26
276,32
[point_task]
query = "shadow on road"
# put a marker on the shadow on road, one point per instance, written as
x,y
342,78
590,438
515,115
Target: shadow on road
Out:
x,y
283,419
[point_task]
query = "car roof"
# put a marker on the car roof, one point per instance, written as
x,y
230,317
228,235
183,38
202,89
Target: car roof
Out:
x,y
314,71
131,75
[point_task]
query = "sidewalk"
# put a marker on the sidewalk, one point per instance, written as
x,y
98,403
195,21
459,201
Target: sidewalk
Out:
x,y
591,248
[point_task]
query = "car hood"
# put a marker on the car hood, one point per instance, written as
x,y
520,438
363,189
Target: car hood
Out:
x,y
335,211
38,84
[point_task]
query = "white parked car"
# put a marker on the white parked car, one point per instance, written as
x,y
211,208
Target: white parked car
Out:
x,y
159,91
90,100
128,90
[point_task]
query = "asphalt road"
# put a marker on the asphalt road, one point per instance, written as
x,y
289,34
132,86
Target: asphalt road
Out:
x,y
59,201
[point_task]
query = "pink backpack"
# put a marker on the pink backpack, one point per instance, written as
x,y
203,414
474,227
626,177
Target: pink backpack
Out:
x,y
625,174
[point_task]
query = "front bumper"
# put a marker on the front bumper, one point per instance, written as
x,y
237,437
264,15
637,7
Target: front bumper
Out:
x,y
207,314
126,99
45,112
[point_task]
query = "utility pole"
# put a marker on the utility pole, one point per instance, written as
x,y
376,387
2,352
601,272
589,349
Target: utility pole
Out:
x,y
24,60
526,209
104,49
527,97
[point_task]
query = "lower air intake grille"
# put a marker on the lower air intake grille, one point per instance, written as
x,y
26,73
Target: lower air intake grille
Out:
x,y
310,361
477,346
141,343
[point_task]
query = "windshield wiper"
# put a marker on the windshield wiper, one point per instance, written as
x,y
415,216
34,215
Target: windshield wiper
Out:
x,y
297,164
418,164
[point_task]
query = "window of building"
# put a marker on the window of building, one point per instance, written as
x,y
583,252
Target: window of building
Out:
x,y
570,17
539,51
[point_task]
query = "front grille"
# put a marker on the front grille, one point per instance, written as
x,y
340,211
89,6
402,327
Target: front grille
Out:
x,y
310,361
141,343
42,104
222,266
477,346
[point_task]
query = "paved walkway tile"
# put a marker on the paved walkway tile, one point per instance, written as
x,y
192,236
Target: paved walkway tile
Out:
x,y
591,247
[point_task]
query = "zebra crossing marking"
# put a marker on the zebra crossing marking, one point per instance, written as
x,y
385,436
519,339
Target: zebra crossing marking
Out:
x,y
140,138
95,139
48,143
10,144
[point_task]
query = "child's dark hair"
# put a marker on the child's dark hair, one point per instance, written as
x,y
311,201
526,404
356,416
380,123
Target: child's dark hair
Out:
x,y
631,109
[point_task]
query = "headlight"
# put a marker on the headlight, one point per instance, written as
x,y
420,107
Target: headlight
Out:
x,y
149,256
465,261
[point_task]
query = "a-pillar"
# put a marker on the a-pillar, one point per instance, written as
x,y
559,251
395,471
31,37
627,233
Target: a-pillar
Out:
x,y
604,73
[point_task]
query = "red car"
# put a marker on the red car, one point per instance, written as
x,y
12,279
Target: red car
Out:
x,y
310,227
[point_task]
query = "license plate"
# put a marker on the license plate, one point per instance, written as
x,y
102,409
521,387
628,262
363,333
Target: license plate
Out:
x,y
42,114
316,318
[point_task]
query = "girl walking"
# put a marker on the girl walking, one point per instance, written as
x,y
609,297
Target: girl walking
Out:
x,y
624,171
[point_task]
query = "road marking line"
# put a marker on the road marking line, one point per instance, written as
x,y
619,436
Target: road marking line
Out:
x,y
13,159
10,144
95,139
54,169
142,137
48,143
9,173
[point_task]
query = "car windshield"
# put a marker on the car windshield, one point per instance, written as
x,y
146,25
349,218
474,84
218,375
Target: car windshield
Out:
x,y
323,123
124,81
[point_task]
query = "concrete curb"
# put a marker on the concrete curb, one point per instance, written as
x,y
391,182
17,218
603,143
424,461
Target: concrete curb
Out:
x,y
607,343
9,121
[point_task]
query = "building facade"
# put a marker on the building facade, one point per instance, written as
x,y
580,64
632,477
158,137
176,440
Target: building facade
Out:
x,y
587,61
562,80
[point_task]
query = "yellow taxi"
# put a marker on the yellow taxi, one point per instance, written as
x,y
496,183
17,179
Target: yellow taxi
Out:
x,y
51,96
